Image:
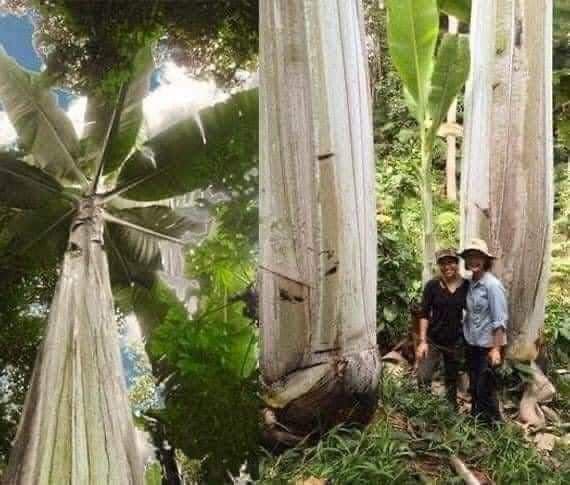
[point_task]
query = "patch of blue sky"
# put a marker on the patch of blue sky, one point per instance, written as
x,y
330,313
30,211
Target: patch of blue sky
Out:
x,y
16,38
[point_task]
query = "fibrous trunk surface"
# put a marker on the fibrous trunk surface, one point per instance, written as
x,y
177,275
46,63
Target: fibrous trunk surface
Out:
x,y
507,186
317,215
77,426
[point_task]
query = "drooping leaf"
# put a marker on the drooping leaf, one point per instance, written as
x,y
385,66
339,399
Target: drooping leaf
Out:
x,y
457,8
449,76
100,111
129,268
23,186
135,256
413,27
43,128
35,238
182,162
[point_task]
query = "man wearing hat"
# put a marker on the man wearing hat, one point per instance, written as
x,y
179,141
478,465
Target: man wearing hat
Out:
x,y
484,329
441,314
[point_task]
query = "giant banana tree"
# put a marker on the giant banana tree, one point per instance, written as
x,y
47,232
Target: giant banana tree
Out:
x,y
431,82
507,184
319,360
73,200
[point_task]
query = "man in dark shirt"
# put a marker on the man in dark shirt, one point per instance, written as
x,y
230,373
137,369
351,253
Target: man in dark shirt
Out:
x,y
440,323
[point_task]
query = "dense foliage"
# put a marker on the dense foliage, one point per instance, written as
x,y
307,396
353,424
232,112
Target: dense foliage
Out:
x,y
23,313
88,46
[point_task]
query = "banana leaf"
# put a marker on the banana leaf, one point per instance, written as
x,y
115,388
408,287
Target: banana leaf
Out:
x,y
43,128
37,238
449,76
178,160
23,186
413,26
100,112
134,256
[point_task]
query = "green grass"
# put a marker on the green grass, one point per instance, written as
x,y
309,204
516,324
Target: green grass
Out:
x,y
375,455
411,441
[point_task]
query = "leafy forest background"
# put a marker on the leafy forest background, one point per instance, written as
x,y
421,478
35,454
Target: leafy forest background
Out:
x,y
194,381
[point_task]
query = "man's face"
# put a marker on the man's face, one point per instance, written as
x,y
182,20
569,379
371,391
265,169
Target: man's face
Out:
x,y
448,267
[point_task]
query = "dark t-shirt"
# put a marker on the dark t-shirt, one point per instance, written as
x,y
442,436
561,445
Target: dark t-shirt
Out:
x,y
444,311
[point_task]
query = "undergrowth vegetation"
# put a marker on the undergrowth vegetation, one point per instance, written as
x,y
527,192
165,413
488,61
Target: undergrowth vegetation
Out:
x,y
411,441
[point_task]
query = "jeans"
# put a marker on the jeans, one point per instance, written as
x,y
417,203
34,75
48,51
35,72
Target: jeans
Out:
x,y
482,385
428,365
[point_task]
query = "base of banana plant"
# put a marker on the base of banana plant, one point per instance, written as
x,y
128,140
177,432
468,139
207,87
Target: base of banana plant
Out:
x,y
308,402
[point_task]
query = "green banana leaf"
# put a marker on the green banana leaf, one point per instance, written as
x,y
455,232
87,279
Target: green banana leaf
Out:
x,y
43,128
177,160
134,256
449,76
35,239
457,8
413,26
23,186
99,115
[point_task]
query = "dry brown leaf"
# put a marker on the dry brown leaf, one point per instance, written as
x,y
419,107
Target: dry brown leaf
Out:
x,y
311,481
545,441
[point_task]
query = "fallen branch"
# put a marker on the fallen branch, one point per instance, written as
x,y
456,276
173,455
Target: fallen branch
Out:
x,y
462,470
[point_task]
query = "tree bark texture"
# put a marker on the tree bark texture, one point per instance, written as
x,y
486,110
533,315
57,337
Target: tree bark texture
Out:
x,y
507,185
317,214
77,426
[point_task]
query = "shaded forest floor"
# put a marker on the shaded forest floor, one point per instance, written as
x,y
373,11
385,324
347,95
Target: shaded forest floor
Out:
x,y
414,436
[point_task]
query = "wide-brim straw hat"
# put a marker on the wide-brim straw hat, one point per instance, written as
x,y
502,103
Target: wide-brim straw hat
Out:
x,y
477,245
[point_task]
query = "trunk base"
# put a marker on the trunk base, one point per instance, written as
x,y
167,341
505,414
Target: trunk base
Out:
x,y
343,390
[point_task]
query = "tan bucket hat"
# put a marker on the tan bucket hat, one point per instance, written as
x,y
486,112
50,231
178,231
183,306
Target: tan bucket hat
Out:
x,y
477,245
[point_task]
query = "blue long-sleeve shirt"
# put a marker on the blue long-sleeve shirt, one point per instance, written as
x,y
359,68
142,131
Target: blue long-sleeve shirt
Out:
x,y
487,311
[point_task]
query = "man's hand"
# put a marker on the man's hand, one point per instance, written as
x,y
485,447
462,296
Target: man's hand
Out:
x,y
494,356
422,350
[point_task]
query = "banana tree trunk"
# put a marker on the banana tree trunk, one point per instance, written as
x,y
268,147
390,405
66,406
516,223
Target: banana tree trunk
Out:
x,y
507,185
317,218
76,427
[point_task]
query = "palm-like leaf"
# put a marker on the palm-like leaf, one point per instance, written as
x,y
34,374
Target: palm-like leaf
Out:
x,y
135,254
179,161
100,112
449,75
35,238
413,27
23,186
43,128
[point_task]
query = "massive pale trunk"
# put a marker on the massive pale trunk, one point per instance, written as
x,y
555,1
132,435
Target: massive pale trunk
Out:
x,y
77,426
317,214
507,187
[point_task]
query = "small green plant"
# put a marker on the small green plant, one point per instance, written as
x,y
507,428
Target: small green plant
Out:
x,y
431,83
